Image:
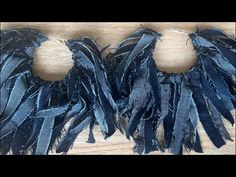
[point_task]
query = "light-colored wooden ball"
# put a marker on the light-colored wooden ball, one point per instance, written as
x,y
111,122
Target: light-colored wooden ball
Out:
x,y
174,52
52,60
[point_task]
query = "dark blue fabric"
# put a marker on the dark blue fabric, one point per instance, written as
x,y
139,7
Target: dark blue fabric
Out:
x,y
42,118
182,114
204,115
125,91
210,93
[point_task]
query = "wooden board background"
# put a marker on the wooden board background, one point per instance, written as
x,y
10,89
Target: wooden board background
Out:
x,y
52,62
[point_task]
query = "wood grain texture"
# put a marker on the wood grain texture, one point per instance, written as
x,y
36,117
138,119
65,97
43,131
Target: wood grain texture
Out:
x,y
174,54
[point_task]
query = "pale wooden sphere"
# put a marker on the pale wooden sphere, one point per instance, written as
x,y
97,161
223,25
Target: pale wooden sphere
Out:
x,y
174,52
52,60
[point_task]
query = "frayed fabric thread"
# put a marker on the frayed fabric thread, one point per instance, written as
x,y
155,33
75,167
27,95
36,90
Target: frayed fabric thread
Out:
x,y
34,112
125,91
149,97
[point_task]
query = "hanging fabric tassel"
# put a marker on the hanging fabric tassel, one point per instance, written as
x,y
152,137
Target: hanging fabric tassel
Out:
x,y
136,88
127,92
34,112
18,86
205,93
93,91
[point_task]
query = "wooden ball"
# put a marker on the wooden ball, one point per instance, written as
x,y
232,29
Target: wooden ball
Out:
x,y
174,52
52,60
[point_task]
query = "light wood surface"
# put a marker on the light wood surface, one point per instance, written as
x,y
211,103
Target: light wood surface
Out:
x,y
174,53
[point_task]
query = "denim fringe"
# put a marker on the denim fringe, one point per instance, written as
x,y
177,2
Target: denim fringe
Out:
x,y
126,91
179,101
34,113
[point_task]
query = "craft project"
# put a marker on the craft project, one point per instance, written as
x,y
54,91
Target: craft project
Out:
x,y
147,97
34,113
125,91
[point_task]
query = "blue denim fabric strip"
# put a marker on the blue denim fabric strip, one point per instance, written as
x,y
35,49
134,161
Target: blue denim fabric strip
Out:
x,y
44,94
74,110
210,93
153,78
6,144
204,115
100,115
91,138
141,45
71,82
44,136
176,81
3,57
105,87
4,95
83,62
72,133
229,54
225,43
182,114
108,112
197,145
24,111
165,98
190,130
169,120
134,120
32,139
88,85
222,63
93,80
8,67
139,138
168,124
151,142
193,113
81,126
17,93
200,41
20,138
75,119
216,117
228,103
92,44
211,32
219,84
124,50
46,129
68,139
139,98
231,85
188,137
51,112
